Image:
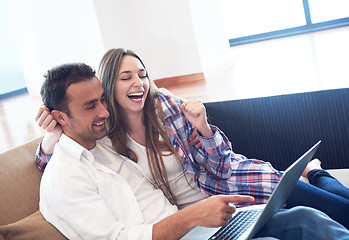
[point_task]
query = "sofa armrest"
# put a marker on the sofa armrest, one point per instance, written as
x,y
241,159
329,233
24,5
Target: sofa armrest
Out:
x,y
19,183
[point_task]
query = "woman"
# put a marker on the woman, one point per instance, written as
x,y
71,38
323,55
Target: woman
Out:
x,y
178,150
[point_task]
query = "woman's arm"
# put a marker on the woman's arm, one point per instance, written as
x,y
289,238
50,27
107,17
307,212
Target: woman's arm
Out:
x,y
195,112
45,120
208,151
218,155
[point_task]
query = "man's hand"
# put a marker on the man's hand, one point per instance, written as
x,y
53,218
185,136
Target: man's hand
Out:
x,y
54,131
214,211
217,210
195,112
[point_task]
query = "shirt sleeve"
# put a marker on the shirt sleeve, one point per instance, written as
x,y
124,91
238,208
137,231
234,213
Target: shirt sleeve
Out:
x,y
41,159
70,200
218,155
215,167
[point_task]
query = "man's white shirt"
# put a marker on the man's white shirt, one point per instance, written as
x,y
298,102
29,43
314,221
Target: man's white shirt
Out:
x,y
99,194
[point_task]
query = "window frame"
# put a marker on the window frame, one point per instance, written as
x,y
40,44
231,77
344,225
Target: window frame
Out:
x,y
308,28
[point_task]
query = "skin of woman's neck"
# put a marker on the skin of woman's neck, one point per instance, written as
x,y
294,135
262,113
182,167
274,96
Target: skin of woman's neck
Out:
x,y
136,128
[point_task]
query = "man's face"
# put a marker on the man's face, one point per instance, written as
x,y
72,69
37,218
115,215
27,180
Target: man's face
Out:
x,y
88,113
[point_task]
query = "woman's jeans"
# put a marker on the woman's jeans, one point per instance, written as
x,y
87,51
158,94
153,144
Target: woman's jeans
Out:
x,y
302,223
324,193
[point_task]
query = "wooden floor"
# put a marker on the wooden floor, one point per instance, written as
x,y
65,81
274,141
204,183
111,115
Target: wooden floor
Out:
x,y
308,62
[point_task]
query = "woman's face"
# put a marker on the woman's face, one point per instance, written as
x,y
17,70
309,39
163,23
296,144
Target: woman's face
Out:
x,y
132,85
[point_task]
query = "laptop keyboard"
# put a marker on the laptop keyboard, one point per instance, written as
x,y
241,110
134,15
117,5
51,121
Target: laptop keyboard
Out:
x,y
238,225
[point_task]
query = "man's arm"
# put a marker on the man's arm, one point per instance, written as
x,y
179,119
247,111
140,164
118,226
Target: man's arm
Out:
x,y
78,202
214,211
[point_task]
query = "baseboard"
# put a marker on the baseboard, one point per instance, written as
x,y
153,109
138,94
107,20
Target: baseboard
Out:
x,y
184,79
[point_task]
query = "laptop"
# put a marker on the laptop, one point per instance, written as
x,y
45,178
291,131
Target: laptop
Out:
x,y
247,221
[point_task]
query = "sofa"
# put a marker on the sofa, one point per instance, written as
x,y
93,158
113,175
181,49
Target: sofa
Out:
x,y
279,129
19,202
276,129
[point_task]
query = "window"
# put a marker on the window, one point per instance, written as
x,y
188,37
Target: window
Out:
x,y
255,20
11,74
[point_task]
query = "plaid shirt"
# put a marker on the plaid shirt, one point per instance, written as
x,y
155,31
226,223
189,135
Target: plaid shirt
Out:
x,y
215,168
41,159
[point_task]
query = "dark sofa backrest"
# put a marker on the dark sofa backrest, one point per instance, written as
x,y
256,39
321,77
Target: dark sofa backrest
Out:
x,y
279,129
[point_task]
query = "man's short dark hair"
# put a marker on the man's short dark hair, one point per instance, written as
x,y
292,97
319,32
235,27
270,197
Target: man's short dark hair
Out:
x,y
58,79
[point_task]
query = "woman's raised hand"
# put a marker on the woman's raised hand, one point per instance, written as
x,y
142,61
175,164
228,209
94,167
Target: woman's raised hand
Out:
x,y
195,112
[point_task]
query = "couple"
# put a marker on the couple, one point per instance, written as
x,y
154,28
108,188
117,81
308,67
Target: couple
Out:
x,y
89,191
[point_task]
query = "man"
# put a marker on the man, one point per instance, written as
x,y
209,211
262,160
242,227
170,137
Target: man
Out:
x,y
88,191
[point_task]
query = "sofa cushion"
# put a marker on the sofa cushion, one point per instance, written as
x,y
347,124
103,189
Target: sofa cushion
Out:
x,y
33,227
20,181
341,174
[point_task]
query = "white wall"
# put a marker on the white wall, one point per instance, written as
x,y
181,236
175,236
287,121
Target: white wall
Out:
x,y
161,32
173,38
54,32
211,39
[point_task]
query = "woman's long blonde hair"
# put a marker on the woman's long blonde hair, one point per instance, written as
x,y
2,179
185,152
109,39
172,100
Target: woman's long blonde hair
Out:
x,y
157,141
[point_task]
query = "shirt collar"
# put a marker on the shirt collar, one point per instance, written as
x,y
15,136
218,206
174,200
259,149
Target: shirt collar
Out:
x,y
170,105
79,153
76,151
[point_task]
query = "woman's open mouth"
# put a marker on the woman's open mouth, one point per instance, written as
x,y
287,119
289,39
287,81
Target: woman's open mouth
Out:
x,y
136,96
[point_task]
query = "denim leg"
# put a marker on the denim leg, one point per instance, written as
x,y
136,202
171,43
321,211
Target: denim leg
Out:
x,y
265,238
322,179
334,206
302,223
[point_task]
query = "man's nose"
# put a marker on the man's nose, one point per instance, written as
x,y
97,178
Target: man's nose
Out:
x,y
103,112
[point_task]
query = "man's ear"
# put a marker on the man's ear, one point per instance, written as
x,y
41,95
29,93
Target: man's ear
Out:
x,y
60,117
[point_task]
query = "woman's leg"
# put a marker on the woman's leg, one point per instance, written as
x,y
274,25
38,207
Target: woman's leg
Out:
x,y
336,207
322,179
302,223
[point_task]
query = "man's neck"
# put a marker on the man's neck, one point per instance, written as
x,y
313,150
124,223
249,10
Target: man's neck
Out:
x,y
86,144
